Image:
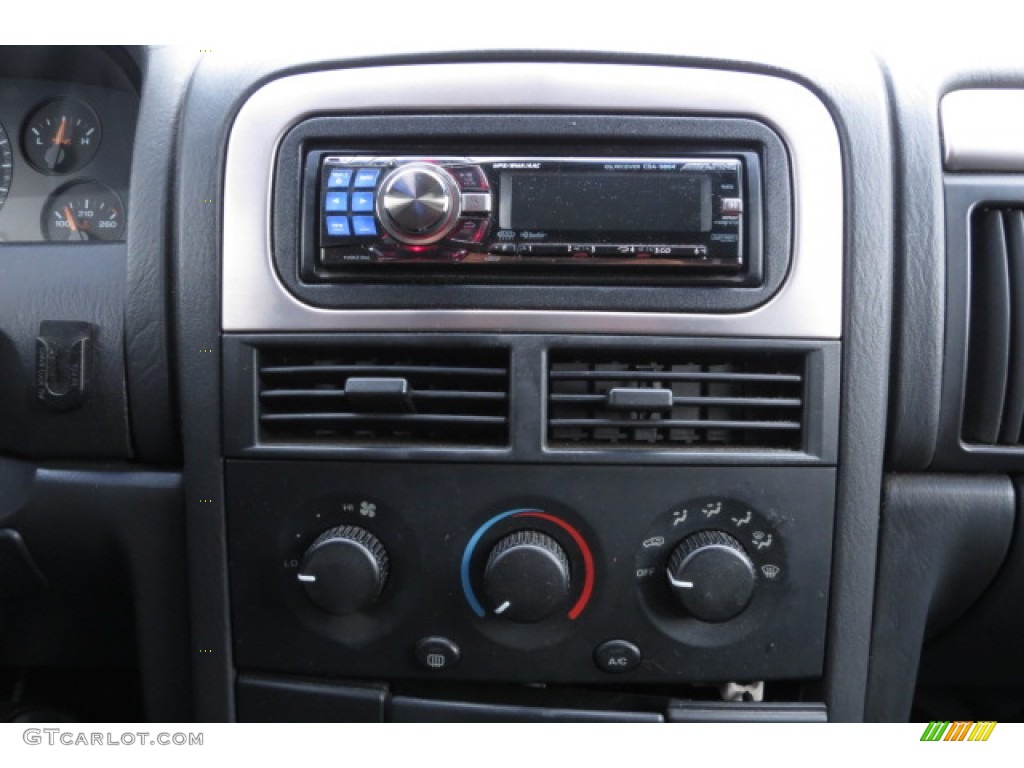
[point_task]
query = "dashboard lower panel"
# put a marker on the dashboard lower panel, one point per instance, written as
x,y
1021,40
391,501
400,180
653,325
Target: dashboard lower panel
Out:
x,y
430,517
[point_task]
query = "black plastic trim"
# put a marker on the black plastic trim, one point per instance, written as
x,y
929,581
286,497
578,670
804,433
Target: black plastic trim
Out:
x,y
408,709
109,542
857,100
989,635
942,541
919,278
106,66
274,699
81,283
150,243
271,698
746,712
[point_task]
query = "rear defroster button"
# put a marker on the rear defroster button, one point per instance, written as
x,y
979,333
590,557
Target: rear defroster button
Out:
x,y
437,653
617,656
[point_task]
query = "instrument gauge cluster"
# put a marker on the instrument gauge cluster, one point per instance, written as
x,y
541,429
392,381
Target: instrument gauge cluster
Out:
x,y
84,211
65,161
61,137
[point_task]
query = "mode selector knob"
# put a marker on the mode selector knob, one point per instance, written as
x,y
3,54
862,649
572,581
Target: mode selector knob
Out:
x,y
344,570
527,577
712,576
418,203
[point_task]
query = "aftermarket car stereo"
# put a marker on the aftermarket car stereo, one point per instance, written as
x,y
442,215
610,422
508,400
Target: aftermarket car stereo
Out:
x,y
630,213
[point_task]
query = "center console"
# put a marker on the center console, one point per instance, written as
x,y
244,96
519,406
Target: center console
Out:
x,y
530,378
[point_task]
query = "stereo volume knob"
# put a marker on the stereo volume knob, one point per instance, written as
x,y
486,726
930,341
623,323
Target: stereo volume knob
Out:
x,y
344,570
526,578
712,576
418,203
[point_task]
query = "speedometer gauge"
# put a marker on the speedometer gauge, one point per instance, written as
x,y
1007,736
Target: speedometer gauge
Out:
x,y
61,137
84,211
6,165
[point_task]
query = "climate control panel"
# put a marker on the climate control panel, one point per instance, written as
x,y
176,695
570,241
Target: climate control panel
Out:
x,y
531,574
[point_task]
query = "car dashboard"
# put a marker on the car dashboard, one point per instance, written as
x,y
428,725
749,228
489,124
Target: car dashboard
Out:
x,y
509,384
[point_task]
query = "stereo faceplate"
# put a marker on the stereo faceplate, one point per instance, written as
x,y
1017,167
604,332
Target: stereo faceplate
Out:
x,y
593,547
502,213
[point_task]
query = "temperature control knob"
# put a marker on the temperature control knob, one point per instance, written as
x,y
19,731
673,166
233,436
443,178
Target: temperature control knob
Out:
x,y
418,203
527,577
712,576
344,570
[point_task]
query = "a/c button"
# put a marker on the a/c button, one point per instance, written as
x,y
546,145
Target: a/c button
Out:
x,y
617,656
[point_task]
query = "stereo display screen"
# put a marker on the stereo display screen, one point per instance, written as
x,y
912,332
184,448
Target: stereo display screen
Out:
x,y
606,202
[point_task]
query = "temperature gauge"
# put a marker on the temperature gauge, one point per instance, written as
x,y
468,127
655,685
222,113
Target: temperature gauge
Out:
x,y
84,211
61,137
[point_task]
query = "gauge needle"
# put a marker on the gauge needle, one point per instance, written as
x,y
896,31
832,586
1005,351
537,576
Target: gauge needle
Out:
x,y
59,138
76,234
55,154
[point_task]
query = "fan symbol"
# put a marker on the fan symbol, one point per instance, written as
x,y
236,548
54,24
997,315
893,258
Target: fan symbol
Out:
x,y
366,509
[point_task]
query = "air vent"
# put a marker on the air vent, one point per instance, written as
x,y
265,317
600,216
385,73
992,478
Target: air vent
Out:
x,y
994,396
681,400
329,396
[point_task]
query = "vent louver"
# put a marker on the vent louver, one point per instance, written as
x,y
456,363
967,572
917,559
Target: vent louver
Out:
x,y
676,400
326,396
994,394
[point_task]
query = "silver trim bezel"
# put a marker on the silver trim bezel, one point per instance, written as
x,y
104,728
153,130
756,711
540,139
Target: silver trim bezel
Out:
x,y
808,305
981,130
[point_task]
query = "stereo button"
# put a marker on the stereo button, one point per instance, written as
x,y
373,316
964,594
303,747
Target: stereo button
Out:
x,y
470,178
469,231
544,249
336,201
339,179
732,206
611,251
367,177
364,226
362,202
476,202
337,226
